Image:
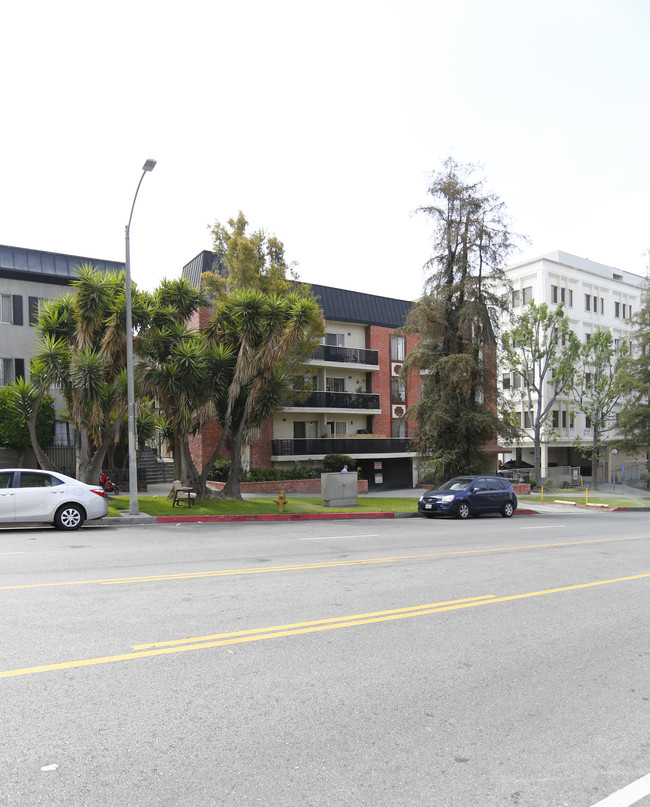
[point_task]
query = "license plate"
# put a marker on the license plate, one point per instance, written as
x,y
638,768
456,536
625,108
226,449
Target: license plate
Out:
x,y
428,506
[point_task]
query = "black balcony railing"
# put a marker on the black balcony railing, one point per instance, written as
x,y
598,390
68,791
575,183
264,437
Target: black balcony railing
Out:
x,y
336,400
315,446
346,355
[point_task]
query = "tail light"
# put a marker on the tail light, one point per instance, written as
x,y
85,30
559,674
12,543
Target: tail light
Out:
x,y
98,491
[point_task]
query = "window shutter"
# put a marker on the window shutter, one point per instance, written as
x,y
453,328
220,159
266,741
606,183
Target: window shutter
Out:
x,y
17,302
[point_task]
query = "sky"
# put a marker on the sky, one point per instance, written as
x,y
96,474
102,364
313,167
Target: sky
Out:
x,y
322,122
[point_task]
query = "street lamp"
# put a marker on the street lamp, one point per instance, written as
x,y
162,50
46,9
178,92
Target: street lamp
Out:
x,y
134,507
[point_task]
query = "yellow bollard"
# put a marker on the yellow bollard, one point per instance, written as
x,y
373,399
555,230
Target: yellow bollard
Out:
x,y
586,495
542,492
281,501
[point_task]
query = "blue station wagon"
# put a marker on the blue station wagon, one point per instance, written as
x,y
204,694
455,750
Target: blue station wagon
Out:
x,y
465,496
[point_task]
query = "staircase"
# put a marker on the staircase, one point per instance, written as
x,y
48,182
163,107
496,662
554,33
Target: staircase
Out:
x,y
157,470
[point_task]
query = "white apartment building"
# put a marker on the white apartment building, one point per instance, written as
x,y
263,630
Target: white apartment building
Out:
x,y
595,297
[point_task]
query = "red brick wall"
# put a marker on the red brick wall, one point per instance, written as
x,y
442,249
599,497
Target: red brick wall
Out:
x,y
288,486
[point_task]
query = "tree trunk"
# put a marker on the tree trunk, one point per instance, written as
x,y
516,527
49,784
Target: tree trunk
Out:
x,y
43,460
232,488
537,453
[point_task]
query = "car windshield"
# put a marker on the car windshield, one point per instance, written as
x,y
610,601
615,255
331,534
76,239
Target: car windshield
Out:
x,y
459,483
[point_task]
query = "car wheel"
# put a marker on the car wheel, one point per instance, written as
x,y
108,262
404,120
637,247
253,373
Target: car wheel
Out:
x,y
463,510
69,517
508,510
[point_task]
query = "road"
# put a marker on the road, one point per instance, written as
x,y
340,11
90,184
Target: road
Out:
x,y
404,663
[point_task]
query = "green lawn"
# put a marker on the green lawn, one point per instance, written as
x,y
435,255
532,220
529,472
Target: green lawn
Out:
x,y
580,498
259,505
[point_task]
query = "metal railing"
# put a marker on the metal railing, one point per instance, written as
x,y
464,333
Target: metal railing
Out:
x,y
346,355
336,400
317,446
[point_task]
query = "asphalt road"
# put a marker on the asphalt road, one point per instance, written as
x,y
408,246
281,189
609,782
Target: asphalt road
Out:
x,y
373,663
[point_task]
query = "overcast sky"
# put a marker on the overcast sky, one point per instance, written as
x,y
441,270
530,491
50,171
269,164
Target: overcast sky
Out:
x,y
322,122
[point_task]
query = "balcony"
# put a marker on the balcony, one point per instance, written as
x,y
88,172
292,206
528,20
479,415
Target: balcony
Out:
x,y
335,400
355,447
345,355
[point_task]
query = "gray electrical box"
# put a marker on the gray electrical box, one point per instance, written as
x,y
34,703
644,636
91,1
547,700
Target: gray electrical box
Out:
x,y
339,490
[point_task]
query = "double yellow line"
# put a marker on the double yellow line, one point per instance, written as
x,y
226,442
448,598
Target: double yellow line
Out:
x,y
295,629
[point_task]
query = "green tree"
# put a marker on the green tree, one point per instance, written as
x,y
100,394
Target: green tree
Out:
x,y
541,349
248,260
263,333
457,413
172,364
634,419
597,391
16,404
82,352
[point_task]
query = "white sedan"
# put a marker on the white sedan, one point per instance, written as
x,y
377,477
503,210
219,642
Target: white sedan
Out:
x,y
28,495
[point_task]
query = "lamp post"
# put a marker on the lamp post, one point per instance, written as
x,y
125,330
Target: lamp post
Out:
x,y
134,507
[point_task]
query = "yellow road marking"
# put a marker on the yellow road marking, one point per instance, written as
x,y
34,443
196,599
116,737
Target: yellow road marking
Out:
x,y
278,631
322,565
338,619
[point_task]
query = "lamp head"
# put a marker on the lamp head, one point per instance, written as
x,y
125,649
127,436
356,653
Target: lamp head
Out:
x,y
149,165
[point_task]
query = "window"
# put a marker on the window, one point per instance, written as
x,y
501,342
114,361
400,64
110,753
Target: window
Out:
x,y
397,390
587,338
6,313
602,305
6,372
398,429
527,420
35,308
595,305
617,310
554,296
617,345
335,385
588,380
516,298
338,427
516,380
505,381
397,348
527,294
587,422
569,297
556,418
587,302
570,420
564,420
335,339
7,479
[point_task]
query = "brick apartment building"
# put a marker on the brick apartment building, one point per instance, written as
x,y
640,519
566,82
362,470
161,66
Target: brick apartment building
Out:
x,y
355,399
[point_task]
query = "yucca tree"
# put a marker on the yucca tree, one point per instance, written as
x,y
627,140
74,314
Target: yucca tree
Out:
x,y
82,354
173,361
266,333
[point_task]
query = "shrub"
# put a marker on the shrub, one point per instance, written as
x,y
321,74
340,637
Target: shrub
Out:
x,y
334,462
219,471
645,477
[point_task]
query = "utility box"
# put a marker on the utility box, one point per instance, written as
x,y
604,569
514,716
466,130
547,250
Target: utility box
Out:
x,y
339,490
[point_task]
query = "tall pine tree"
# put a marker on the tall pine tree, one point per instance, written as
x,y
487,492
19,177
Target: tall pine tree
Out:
x,y
457,414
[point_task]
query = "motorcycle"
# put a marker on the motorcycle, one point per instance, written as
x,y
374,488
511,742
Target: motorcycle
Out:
x,y
107,484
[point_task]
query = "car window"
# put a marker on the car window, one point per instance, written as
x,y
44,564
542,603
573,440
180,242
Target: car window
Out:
x,y
6,479
460,483
33,479
497,484
480,484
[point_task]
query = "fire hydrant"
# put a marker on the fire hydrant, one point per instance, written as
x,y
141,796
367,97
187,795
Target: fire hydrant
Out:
x,y
281,501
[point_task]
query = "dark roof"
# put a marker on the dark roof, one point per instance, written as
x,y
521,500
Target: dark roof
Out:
x,y
46,267
204,262
341,305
